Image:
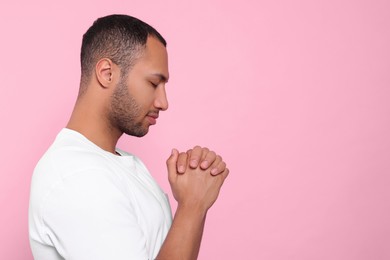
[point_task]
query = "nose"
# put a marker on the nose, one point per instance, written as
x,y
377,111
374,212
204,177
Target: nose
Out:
x,y
161,101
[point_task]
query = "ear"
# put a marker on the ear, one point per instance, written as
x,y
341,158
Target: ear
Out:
x,y
104,72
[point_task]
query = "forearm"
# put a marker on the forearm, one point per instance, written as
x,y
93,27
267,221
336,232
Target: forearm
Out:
x,y
184,237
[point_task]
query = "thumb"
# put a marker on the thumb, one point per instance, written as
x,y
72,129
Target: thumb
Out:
x,y
171,163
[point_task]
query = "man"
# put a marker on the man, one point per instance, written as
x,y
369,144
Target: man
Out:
x,y
90,200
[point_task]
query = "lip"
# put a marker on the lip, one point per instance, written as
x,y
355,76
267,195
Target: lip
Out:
x,y
152,118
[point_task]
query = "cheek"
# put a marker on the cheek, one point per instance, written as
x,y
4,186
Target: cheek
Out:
x,y
145,97
142,91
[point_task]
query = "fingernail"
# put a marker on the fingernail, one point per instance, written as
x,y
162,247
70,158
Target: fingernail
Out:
x,y
205,164
194,163
214,171
181,169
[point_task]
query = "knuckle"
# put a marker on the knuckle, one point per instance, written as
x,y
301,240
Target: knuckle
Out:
x,y
222,165
212,154
168,161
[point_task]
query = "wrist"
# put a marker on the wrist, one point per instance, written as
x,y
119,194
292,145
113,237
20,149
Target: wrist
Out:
x,y
192,209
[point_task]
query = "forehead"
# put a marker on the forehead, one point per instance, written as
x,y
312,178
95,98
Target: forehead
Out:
x,y
154,58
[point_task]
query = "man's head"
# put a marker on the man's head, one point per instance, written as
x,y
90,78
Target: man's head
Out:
x,y
124,65
120,38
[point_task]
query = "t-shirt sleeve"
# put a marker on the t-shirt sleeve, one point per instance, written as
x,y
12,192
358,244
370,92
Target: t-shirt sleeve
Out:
x,y
90,216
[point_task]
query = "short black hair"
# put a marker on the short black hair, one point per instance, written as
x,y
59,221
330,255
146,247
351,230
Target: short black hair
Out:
x,y
117,37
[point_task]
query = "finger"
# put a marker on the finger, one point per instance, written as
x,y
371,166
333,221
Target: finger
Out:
x,y
195,156
205,151
182,162
208,160
220,178
224,174
171,164
218,166
219,169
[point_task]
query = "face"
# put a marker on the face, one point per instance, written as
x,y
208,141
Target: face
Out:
x,y
139,97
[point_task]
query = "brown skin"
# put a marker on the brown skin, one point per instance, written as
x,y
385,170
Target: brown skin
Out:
x,y
113,105
92,115
195,191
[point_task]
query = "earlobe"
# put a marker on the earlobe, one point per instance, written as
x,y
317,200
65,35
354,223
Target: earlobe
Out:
x,y
104,72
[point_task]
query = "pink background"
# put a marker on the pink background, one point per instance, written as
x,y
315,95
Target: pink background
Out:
x,y
294,94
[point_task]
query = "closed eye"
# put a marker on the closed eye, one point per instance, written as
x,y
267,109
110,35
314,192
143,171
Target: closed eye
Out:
x,y
153,84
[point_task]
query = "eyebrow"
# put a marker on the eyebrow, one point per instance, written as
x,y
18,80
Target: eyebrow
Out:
x,y
161,76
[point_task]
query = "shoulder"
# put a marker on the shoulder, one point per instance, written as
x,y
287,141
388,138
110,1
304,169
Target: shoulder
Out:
x,y
71,152
73,165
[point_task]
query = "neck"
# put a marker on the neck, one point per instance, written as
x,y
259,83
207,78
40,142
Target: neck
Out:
x,y
92,122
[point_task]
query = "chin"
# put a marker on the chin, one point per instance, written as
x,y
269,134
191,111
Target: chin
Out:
x,y
137,133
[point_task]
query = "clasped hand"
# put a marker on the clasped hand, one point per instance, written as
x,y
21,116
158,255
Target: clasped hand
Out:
x,y
196,177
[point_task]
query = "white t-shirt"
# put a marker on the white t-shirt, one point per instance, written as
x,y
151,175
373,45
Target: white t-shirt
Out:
x,y
89,204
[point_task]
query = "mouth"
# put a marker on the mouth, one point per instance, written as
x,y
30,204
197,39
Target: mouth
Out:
x,y
152,117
